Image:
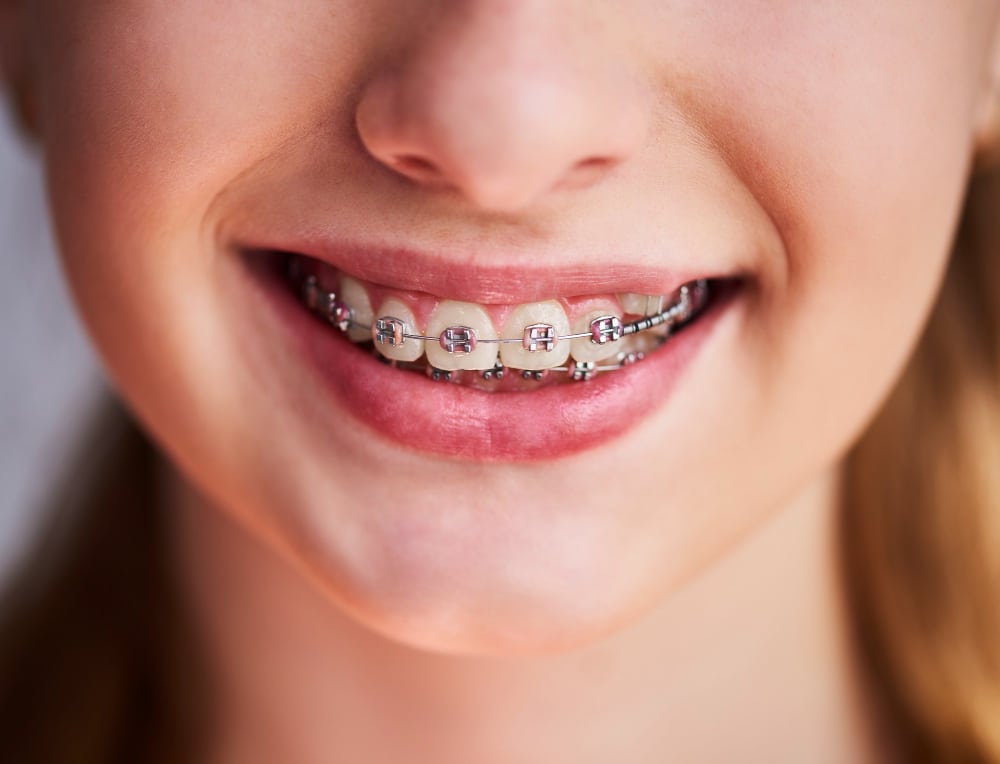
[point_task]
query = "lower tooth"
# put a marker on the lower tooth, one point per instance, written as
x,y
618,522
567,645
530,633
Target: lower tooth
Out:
x,y
642,342
439,375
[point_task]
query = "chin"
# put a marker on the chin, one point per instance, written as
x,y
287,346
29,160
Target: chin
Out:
x,y
480,580
504,623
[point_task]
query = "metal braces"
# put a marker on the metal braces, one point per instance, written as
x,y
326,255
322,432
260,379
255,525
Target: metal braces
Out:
x,y
537,338
579,371
687,301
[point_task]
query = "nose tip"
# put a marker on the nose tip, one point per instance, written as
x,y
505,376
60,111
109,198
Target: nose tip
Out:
x,y
501,122
496,176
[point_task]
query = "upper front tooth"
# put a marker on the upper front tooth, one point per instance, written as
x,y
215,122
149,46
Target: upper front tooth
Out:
x,y
408,349
641,304
469,324
533,323
356,296
584,348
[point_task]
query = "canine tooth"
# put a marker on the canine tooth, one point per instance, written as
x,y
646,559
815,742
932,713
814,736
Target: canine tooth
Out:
x,y
459,317
584,348
409,349
550,318
356,297
604,329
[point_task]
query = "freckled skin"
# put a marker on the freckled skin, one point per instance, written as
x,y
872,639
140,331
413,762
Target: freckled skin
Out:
x,y
821,147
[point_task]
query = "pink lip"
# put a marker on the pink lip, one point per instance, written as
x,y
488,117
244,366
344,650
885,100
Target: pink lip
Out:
x,y
472,277
460,422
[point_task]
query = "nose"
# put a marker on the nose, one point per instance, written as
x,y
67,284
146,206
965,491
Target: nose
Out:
x,y
505,103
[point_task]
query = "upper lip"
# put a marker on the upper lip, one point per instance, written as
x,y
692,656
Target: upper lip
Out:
x,y
483,277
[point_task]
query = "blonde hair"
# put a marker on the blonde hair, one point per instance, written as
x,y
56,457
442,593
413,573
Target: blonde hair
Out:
x,y
920,521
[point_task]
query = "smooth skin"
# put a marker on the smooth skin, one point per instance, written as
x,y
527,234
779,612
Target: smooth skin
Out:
x,y
672,596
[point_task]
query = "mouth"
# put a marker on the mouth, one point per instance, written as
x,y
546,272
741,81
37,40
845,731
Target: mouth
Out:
x,y
540,343
491,381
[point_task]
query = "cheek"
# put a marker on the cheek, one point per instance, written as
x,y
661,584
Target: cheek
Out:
x,y
853,133
149,110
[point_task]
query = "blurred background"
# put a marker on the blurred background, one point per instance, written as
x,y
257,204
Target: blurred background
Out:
x,y
48,375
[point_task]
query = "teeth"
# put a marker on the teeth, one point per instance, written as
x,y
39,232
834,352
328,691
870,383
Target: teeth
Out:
x,y
642,342
409,349
461,335
462,325
353,294
584,348
641,304
534,322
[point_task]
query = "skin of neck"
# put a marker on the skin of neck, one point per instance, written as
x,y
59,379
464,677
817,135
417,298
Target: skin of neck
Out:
x,y
751,660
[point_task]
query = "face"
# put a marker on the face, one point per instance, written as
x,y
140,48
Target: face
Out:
x,y
809,159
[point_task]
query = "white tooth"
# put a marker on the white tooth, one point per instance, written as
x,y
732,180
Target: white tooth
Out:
x,y
641,342
641,304
549,313
356,297
632,303
450,313
410,349
583,348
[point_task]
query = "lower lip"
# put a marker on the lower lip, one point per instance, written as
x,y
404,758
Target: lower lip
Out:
x,y
449,420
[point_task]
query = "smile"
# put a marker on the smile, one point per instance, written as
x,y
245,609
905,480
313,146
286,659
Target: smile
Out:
x,y
459,342
538,368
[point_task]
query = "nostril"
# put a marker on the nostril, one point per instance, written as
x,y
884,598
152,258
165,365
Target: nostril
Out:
x,y
415,166
587,171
